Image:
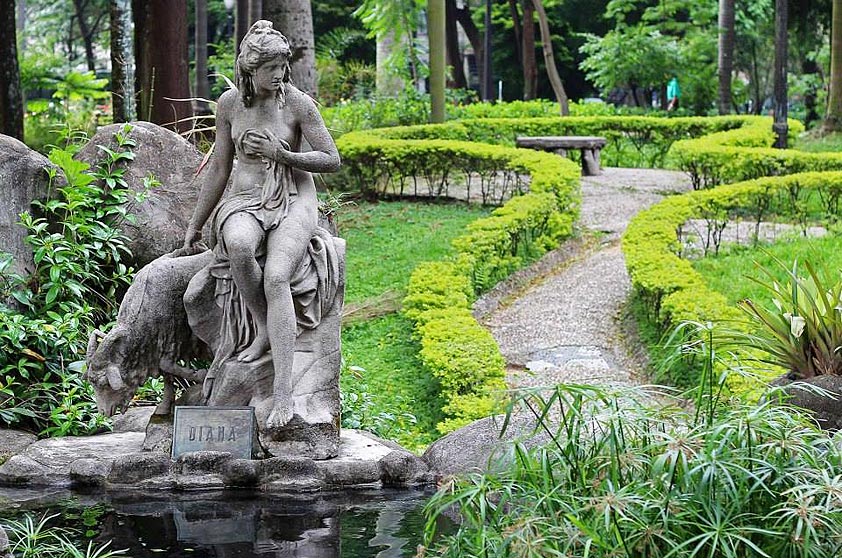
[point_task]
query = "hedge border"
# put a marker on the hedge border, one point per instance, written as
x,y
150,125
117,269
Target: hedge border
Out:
x,y
455,348
671,289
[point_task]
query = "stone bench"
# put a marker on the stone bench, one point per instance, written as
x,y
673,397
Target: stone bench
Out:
x,y
589,145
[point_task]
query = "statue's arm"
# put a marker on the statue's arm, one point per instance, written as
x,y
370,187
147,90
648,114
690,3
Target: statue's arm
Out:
x,y
324,157
215,176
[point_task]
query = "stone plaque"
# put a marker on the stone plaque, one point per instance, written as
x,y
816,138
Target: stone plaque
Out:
x,y
228,429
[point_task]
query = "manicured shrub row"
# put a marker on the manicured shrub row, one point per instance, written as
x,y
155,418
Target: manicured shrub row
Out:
x,y
632,140
746,154
456,349
671,289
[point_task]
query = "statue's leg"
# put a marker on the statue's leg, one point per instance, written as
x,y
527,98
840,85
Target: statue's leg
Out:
x,y
242,235
286,246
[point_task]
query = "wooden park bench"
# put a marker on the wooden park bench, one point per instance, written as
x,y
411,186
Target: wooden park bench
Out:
x,y
589,145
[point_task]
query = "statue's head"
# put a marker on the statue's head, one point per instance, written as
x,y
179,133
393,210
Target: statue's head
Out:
x,y
262,45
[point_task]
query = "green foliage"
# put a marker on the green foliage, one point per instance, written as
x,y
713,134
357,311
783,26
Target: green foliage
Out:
x,y
398,20
35,538
79,256
397,236
666,283
72,113
622,475
361,411
802,331
381,366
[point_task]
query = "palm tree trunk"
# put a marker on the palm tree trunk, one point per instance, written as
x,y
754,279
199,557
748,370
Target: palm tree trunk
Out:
x,y
726,54
436,37
123,108
833,119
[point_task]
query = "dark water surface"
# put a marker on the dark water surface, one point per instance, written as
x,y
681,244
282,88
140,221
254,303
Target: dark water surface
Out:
x,y
356,523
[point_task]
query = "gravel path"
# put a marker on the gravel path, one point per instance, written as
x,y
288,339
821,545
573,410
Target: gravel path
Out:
x,y
565,323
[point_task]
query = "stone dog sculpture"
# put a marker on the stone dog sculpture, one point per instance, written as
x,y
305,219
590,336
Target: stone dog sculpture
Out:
x,y
267,298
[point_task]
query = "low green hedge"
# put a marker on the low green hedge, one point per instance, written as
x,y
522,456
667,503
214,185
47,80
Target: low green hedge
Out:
x,y
454,347
631,140
745,154
671,289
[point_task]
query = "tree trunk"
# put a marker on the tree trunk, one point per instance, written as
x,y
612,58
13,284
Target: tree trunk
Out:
x,y
241,23
202,90
123,106
515,15
726,54
833,118
22,24
162,68
11,100
487,78
87,35
530,65
255,10
780,127
436,37
295,20
549,58
454,58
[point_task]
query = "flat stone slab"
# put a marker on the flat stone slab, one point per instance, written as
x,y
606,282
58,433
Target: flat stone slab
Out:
x,y
117,461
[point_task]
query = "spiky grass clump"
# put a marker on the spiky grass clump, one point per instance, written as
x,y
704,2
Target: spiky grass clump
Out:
x,y
629,475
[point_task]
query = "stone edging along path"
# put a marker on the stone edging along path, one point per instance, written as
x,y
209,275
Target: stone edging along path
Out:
x,y
560,320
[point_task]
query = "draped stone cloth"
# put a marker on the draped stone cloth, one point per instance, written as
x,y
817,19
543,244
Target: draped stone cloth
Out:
x,y
313,285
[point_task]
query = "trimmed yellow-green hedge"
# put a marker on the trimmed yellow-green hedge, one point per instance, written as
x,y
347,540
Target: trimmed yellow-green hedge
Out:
x,y
745,154
672,290
456,349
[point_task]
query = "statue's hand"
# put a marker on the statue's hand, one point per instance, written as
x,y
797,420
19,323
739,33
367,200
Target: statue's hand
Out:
x,y
192,244
266,145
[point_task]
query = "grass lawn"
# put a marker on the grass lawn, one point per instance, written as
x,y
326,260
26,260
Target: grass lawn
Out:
x,y
728,272
386,241
815,143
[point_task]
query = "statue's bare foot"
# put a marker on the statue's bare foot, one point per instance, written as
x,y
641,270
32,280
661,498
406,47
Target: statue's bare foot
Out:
x,y
279,417
257,349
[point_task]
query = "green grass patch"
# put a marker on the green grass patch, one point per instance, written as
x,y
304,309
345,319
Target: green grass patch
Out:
x,y
392,375
386,240
729,272
819,143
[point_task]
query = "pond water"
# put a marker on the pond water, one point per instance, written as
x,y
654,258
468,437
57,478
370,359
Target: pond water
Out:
x,y
357,523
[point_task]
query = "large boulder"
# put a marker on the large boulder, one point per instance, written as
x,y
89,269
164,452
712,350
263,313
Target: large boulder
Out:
x,y
22,179
162,218
483,445
13,442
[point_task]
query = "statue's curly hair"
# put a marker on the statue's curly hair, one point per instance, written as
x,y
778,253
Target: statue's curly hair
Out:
x,y
261,44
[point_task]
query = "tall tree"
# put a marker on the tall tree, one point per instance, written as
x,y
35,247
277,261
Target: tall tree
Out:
x,y
726,54
781,54
162,64
549,58
89,26
123,105
242,22
530,65
294,18
436,35
833,118
454,58
11,100
202,89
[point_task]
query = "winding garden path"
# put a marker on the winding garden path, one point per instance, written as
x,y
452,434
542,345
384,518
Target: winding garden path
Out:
x,y
565,321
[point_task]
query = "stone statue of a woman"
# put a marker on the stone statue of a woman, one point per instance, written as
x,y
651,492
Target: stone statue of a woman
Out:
x,y
262,227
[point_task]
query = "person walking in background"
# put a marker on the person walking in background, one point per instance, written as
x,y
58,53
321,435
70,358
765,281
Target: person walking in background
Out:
x,y
673,93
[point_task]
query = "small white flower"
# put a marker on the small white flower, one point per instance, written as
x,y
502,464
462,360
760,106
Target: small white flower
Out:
x,y
797,325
